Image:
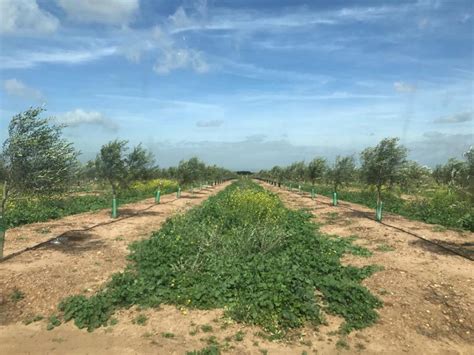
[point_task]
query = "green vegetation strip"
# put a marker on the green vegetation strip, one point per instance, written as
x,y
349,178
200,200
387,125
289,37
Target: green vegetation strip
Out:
x,y
40,209
242,251
442,207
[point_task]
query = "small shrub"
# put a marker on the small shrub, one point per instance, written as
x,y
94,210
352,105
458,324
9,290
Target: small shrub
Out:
x,y
141,319
32,318
53,322
206,328
210,350
17,295
239,336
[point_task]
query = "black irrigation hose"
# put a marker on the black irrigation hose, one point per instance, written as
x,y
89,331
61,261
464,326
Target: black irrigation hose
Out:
x,y
407,232
39,245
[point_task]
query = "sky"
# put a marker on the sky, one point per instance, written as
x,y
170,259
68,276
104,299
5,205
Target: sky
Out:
x,y
244,84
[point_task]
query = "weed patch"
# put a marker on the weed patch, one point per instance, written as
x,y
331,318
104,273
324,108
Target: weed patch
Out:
x,y
242,251
17,295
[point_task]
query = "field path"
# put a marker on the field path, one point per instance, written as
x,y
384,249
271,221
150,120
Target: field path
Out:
x,y
79,261
428,293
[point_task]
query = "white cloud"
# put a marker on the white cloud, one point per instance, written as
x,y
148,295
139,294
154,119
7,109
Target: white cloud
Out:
x,y
180,19
15,87
57,56
80,117
25,17
209,124
456,118
172,56
175,58
113,12
403,87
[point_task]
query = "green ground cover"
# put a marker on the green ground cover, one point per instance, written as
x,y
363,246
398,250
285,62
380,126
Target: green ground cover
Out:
x,y
244,252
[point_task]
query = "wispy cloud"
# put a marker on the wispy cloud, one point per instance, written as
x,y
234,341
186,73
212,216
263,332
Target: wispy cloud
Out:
x,y
403,87
171,56
80,117
24,17
15,87
209,124
23,59
175,58
295,97
456,118
164,102
118,12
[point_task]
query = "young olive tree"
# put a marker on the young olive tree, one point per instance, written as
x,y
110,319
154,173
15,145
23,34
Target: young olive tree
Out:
x,y
414,175
277,173
298,171
190,171
452,174
343,171
316,169
35,160
120,168
382,164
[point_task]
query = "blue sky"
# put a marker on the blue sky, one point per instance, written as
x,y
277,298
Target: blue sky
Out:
x,y
244,84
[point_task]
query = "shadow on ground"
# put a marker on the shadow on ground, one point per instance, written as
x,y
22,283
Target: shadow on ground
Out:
x,y
465,249
74,242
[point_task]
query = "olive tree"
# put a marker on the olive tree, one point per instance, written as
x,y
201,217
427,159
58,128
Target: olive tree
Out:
x,y
298,170
190,171
382,164
316,169
277,173
35,160
343,171
118,167
414,175
452,174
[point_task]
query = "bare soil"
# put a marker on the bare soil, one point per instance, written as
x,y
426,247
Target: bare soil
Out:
x,y
428,293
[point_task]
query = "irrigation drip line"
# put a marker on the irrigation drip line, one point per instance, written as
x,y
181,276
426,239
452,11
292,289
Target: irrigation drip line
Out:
x,y
344,205
116,220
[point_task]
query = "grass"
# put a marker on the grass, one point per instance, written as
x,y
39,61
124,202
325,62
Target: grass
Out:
x,y
32,318
243,251
385,248
16,295
342,344
209,350
239,336
206,328
167,335
53,322
141,319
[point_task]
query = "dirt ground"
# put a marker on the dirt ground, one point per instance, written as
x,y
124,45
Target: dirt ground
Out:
x,y
428,294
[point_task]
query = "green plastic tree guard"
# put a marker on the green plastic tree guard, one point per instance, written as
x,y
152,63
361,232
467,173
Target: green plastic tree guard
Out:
x,y
157,196
378,212
334,198
114,208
